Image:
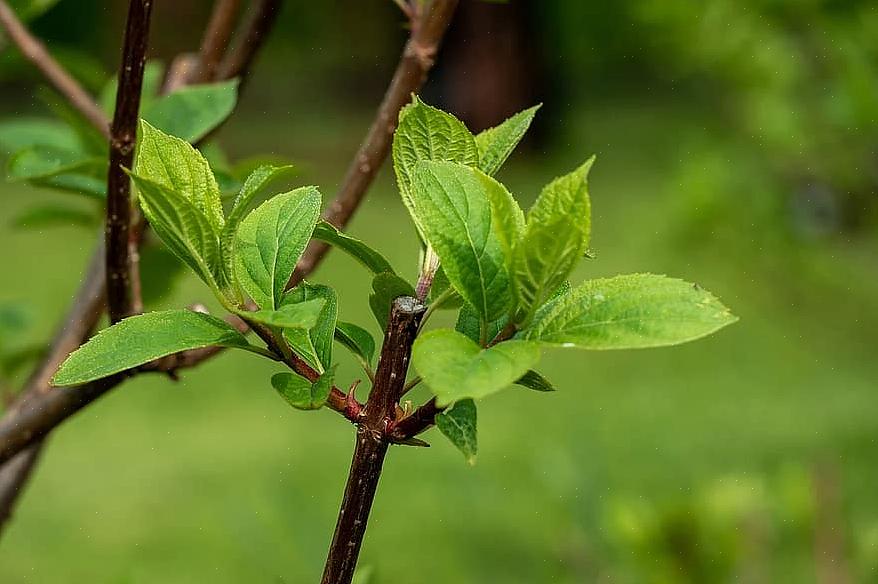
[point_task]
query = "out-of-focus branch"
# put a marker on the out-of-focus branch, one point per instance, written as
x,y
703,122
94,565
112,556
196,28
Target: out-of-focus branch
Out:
x,y
216,39
123,135
13,478
429,21
250,37
35,52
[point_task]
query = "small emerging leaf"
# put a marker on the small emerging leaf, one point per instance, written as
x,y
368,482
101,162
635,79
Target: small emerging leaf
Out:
x,y
301,393
270,241
497,143
458,423
629,312
535,381
456,368
140,339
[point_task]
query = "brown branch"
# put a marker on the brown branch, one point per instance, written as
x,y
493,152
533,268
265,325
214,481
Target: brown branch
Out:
x,y
372,441
216,39
250,37
14,477
123,137
35,52
428,27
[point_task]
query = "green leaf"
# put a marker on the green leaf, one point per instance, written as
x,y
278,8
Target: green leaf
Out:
x,y
630,312
555,240
315,343
72,182
270,241
299,315
140,339
386,288
55,216
452,203
301,393
371,259
174,164
427,133
497,143
160,270
458,423
456,368
470,324
183,228
535,381
194,111
440,287
41,162
153,77
357,340
30,9
18,134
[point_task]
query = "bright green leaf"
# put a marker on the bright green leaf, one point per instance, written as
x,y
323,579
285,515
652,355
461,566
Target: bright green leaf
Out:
x,y
299,315
458,423
452,203
41,162
301,393
629,312
193,111
386,288
555,240
140,339
20,133
455,368
427,133
357,340
497,143
270,241
371,259
470,324
316,342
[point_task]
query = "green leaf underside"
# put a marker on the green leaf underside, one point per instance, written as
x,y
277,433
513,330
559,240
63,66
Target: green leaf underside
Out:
x,y
455,368
368,257
554,241
427,133
629,312
301,393
174,164
497,143
452,204
357,340
270,241
301,315
535,381
194,111
458,423
314,345
182,228
140,339
386,288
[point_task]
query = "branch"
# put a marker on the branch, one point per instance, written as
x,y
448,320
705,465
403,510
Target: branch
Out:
x,y
255,29
372,441
13,478
122,140
216,39
35,52
428,27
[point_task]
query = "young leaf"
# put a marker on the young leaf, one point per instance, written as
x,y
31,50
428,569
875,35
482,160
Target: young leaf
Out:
x,y
456,368
554,241
301,393
193,111
497,143
20,133
140,339
469,323
175,165
630,312
316,342
387,287
357,340
371,259
270,240
183,228
300,315
458,423
535,381
452,204
427,133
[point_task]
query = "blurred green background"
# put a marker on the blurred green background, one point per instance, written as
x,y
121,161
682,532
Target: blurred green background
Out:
x,y
736,145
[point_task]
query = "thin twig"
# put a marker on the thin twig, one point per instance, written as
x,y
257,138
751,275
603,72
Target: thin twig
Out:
x,y
35,52
120,301
416,61
14,477
253,33
216,39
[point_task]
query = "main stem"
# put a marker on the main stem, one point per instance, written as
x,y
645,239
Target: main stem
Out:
x,y
373,440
